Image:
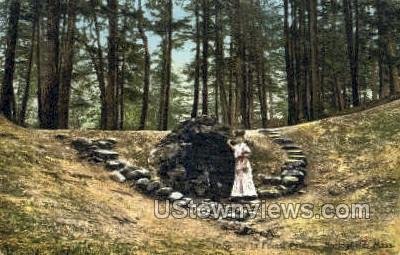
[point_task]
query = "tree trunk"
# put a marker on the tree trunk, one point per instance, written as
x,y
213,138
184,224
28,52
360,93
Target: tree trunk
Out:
x,y
166,73
262,96
393,70
338,93
381,49
25,98
50,90
98,62
146,77
271,103
204,67
197,63
67,67
7,91
314,62
169,66
387,47
259,64
39,67
352,47
111,106
121,92
292,116
220,62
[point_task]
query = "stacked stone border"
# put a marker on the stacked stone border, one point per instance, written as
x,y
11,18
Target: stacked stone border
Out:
x,y
291,180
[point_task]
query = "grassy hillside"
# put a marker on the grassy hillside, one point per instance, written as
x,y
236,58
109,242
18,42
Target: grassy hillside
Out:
x,y
51,201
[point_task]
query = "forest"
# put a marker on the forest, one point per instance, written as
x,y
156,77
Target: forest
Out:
x,y
135,65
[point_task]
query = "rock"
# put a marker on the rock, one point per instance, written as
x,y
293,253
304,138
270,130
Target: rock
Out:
x,y
175,196
164,192
269,130
271,180
283,141
129,175
82,143
137,174
290,147
294,163
184,202
244,229
142,183
294,172
274,136
104,145
111,140
181,203
298,157
153,186
117,176
336,190
290,180
273,133
295,152
61,136
96,160
89,152
128,168
114,164
272,192
105,154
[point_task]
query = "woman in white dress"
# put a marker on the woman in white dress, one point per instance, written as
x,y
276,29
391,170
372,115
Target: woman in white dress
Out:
x,y
243,186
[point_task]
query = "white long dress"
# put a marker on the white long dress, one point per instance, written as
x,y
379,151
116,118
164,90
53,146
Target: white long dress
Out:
x,y
243,186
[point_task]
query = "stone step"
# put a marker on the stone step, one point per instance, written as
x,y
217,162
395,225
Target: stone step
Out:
x,y
272,192
300,174
273,132
268,130
290,180
270,133
274,136
291,147
295,163
294,152
298,157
